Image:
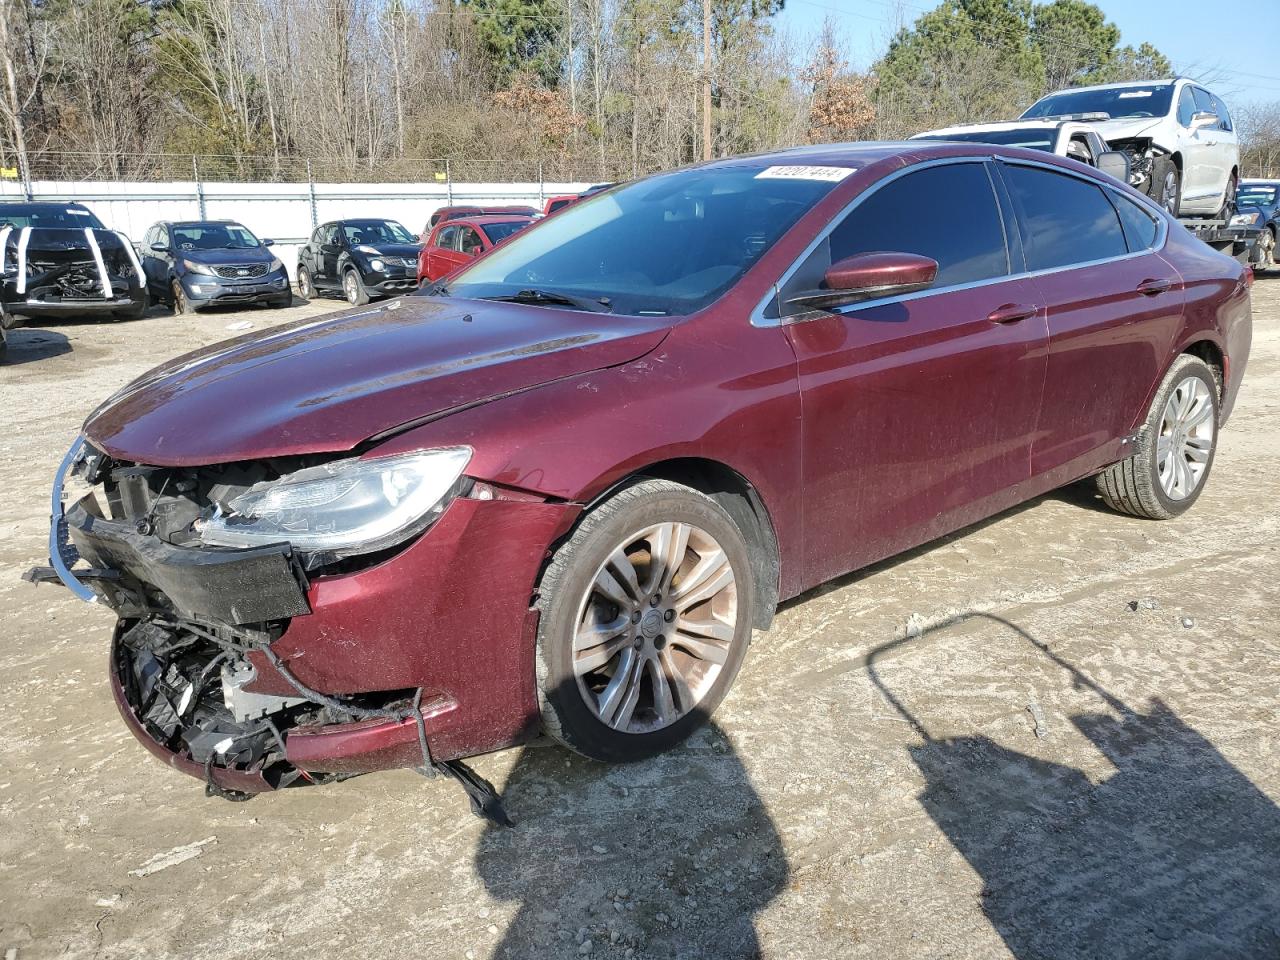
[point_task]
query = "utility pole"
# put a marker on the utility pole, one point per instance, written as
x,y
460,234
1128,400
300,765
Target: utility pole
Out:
x,y
706,79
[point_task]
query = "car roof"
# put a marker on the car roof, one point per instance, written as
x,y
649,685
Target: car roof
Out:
x,y
486,219
864,153
43,203
1119,85
201,223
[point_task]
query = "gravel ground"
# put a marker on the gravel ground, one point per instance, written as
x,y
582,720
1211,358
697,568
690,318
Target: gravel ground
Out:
x,y
1052,735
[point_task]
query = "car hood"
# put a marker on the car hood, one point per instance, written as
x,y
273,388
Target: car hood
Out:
x,y
1125,128
410,250
324,386
229,255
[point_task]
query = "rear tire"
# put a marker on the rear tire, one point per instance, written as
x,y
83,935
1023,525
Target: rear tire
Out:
x,y
1174,449
682,649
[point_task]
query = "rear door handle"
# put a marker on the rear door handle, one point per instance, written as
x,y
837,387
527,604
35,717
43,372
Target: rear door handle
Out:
x,y
1012,313
1151,288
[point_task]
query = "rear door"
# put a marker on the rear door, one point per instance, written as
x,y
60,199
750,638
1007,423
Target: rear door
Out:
x,y
330,251
1114,307
918,409
155,265
1217,142
443,257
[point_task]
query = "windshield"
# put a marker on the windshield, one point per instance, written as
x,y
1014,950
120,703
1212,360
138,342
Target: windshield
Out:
x,y
374,232
213,236
1031,138
668,245
1115,102
497,232
1250,196
51,215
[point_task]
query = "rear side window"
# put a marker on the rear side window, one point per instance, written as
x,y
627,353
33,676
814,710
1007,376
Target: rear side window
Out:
x,y
1066,220
1220,109
946,213
1140,227
448,239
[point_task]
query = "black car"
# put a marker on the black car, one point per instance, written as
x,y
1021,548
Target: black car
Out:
x,y
58,260
1258,205
192,264
361,259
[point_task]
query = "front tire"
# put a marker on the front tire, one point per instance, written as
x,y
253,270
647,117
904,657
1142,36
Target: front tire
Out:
x,y
182,305
645,620
306,289
1166,185
353,288
1174,450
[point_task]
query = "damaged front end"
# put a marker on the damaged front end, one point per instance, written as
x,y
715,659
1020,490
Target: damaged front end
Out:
x,y
64,271
206,567
1142,153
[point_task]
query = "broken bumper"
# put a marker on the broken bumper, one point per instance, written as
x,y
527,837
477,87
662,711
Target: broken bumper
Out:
x,y
449,617
35,308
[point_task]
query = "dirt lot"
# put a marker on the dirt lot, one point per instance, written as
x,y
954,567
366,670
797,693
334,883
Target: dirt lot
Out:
x,y
1054,735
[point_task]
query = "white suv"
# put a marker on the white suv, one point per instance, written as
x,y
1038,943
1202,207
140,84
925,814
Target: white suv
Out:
x,y
1180,139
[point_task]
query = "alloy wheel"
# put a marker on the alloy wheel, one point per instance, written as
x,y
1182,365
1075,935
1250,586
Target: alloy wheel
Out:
x,y
350,286
179,299
305,289
655,627
1169,192
1186,438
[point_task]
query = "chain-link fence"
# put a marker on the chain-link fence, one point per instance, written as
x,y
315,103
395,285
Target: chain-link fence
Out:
x,y
221,168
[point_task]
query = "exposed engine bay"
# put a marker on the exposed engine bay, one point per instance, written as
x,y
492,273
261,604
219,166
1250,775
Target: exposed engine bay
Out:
x,y
1142,154
48,268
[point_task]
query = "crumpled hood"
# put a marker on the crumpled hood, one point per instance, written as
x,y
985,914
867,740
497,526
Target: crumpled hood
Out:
x,y
1125,128
321,386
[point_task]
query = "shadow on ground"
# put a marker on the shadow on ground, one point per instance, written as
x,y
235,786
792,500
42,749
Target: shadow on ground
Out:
x,y
1175,855
671,857
29,344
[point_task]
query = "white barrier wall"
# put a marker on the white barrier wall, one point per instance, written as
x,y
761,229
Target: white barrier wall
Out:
x,y
279,211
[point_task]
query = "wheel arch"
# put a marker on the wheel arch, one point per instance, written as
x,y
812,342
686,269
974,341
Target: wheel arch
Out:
x,y
740,499
1211,353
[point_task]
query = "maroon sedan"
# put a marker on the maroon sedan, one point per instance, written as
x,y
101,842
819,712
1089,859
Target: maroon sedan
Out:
x,y
560,492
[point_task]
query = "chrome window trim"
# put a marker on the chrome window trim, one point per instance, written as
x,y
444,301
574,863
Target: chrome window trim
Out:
x,y
758,319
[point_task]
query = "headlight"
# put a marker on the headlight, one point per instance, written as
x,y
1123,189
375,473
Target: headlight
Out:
x,y
194,267
274,265
365,248
376,264
344,508
1244,219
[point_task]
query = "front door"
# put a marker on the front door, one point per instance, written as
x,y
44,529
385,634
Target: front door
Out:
x,y
918,410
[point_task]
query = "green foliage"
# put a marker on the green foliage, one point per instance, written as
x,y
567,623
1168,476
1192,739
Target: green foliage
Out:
x,y
970,60
520,36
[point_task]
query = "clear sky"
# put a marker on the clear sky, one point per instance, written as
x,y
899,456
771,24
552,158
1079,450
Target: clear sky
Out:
x,y
1235,47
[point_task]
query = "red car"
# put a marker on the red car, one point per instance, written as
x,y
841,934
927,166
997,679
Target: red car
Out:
x,y
455,243
453,213
560,493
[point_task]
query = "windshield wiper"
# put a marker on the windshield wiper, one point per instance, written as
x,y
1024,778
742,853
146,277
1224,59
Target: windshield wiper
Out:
x,y
555,298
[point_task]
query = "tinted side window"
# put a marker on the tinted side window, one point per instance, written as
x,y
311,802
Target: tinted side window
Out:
x,y
1186,106
1140,227
1065,220
1204,102
448,238
1220,108
947,213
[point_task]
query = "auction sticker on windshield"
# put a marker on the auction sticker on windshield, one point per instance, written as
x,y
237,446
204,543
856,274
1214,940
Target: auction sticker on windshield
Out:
x,y
831,174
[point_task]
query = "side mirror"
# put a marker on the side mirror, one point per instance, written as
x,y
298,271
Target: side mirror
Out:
x,y
159,248
1116,163
1203,119
866,276
268,243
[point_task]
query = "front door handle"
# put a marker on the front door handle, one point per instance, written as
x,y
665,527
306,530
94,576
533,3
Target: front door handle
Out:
x,y
1012,313
1151,288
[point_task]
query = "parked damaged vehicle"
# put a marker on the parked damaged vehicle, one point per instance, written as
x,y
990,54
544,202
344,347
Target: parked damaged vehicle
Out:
x,y
1180,138
57,260
556,492
362,260
193,264
455,243
1259,206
